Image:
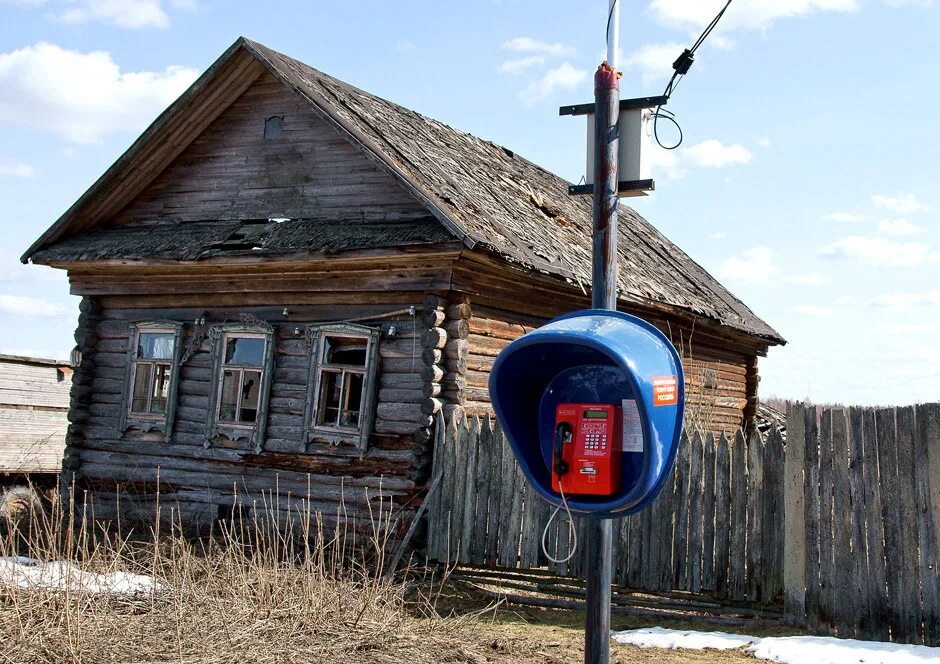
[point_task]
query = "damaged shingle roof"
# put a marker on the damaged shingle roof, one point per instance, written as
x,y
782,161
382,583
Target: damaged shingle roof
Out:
x,y
490,198
201,240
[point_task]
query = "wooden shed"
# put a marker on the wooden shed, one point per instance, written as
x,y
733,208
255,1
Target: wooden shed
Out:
x,y
34,403
285,278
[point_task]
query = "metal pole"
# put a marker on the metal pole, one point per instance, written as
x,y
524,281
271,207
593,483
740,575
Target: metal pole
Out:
x,y
604,296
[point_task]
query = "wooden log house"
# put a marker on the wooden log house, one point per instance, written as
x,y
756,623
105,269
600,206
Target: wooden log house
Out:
x,y
285,278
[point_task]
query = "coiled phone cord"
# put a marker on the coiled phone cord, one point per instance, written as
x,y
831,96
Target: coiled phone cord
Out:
x,y
571,529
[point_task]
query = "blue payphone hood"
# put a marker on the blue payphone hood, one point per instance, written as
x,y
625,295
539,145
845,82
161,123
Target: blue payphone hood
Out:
x,y
592,356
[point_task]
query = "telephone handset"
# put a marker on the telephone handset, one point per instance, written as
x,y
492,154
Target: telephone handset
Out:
x,y
586,453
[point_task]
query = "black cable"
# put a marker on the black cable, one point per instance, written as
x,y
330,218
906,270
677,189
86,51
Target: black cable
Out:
x,y
681,67
610,16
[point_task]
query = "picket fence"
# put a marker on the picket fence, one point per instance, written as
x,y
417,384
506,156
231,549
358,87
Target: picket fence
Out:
x,y
840,521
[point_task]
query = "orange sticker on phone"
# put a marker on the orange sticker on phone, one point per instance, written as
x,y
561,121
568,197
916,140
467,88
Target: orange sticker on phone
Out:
x,y
665,391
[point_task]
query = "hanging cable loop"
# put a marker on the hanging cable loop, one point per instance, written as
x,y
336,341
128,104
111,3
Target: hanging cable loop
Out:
x,y
681,67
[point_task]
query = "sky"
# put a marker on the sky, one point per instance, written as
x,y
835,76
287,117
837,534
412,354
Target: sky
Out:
x,y
807,182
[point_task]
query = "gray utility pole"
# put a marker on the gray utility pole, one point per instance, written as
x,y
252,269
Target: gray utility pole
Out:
x,y
603,296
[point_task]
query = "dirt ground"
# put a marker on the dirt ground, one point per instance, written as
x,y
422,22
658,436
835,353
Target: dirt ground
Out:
x,y
530,634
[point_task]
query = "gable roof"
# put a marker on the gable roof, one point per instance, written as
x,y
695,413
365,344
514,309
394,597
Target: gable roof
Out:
x,y
483,194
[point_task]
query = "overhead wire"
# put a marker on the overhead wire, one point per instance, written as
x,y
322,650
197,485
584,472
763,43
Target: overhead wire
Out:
x,y
681,67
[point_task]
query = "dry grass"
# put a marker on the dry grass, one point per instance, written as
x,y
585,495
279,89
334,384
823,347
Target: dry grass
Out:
x,y
249,593
253,592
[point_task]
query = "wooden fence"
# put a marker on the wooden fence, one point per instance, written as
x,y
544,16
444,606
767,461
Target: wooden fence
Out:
x,y
716,527
842,522
862,516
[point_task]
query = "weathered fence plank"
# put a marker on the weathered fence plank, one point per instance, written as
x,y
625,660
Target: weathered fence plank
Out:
x,y
843,603
875,624
860,565
771,520
755,493
826,564
794,537
888,472
811,511
695,516
738,567
910,587
471,447
722,515
928,437
681,549
708,515
485,453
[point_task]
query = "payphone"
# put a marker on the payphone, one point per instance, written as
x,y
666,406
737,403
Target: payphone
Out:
x,y
586,450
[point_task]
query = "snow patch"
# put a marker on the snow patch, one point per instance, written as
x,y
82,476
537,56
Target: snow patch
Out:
x,y
785,649
59,575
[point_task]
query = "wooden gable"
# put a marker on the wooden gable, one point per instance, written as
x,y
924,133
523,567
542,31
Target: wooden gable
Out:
x,y
303,169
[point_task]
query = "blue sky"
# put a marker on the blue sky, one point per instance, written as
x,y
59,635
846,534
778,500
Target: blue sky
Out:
x,y
807,182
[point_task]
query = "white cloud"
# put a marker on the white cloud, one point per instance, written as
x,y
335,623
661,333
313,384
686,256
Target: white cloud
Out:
x,y
902,203
529,45
764,143
810,279
520,65
904,301
844,217
564,77
14,169
121,13
901,227
692,15
714,154
653,61
755,265
19,306
909,3
813,310
718,235
133,14
82,96
878,251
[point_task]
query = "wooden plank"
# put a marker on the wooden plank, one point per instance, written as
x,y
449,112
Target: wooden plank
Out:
x,y
696,518
777,546
826,561
891,508
471,483
708,515
738,561
485,455
811,514
531,532
910,579
860,567
507,540
927,442
794,536
438,466
875,623
666,518
755,497
843,583
457,433
722,515
680,555
637,536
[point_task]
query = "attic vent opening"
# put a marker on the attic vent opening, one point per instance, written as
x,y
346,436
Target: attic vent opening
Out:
x,y
274,127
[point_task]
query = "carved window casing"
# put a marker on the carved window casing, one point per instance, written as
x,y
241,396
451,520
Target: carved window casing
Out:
x,y
242,368
342,383
153,361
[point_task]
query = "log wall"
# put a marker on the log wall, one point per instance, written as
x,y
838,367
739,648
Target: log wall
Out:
x,y
196,476
721,387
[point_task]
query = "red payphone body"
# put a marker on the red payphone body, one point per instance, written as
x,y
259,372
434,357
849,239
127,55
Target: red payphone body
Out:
x,y
587,448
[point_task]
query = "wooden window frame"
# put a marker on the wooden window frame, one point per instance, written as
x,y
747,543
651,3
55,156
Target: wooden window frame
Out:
x,y
144,422
333,434
253,433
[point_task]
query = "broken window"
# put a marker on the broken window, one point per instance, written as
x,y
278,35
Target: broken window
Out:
x,y
240,386
242,371
274,127
153,365
343,378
